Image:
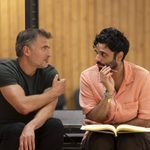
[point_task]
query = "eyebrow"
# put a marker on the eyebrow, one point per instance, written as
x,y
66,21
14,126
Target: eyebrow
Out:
x,y
46,46
100,51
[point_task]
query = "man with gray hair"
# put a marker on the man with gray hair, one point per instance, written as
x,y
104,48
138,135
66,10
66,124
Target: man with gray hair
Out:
x,y
29,89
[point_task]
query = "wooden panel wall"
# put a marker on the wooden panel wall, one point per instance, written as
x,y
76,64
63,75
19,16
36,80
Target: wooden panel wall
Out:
x,y
12,20
74,24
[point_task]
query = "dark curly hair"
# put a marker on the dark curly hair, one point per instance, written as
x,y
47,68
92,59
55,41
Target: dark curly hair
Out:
x,y
114,39
26,37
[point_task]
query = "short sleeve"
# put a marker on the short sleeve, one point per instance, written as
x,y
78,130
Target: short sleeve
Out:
x,y
87,100
49,74
7,75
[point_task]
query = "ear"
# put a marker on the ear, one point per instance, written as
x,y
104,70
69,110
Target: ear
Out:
x,y
120,56
26,50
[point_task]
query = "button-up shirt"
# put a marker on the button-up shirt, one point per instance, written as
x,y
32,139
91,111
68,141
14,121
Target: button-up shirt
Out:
x,y
131,101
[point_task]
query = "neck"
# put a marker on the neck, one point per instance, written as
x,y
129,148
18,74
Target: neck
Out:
x,y
118,76
26,67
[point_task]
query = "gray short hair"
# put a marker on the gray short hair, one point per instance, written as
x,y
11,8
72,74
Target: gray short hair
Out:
x,y
26,37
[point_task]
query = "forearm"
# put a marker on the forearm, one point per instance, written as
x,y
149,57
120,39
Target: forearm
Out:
x,y
100,112
43,114
27,137
35,102
139,122
15,95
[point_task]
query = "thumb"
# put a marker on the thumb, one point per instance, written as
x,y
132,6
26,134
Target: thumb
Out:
x,y
56,77
63,80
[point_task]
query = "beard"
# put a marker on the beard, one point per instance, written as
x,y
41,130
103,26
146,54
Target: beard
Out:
x,y
112,64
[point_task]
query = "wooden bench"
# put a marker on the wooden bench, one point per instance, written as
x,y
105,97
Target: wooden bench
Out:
x,y
72,121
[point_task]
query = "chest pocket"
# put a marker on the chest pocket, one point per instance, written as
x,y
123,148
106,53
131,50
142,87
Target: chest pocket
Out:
x,y
127,112
130,109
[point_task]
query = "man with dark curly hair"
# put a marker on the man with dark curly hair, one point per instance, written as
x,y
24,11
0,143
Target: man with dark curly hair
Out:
x,y
115,91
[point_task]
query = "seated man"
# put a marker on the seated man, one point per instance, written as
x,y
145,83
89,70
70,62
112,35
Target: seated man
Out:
x,y
115,92
29,88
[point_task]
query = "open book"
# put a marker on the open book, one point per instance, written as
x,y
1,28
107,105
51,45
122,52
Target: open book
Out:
x,y
107,128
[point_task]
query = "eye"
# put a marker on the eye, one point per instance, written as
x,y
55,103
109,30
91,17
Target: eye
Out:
x,y
45,48
103,54
96,51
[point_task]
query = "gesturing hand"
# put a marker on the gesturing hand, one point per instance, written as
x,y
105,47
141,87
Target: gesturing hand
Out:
x,y
59,85
106,78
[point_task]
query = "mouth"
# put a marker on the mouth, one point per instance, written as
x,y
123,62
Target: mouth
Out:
x,y
46,60
100,66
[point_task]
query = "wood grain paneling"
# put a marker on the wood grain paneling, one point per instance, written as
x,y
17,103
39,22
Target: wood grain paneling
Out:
x,y
145,50
12,20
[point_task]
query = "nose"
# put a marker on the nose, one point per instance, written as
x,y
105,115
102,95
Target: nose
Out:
x,y
98,58
49,52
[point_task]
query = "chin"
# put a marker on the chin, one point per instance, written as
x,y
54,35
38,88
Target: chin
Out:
x,y
43,65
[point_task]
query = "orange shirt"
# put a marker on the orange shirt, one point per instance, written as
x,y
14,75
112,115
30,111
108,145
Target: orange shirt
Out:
x,y
131,101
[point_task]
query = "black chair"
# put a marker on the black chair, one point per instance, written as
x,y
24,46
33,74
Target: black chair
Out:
x,y
61,102
76,99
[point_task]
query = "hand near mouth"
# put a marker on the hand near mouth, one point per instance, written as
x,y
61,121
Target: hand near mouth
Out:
x,y
106,78
101,66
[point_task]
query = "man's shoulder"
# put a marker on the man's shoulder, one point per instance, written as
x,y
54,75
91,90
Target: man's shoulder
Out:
x,y
9,72
137,71
8,64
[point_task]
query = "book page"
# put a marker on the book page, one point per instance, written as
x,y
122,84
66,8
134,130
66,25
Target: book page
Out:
x,y
131,128
99,127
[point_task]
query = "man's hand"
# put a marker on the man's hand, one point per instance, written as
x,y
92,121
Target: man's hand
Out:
x,y
27,139
106,79
59,85
88,122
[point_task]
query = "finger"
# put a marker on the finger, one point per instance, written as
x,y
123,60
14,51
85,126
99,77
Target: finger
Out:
x,y
56,77
109,74
25,144
103,68
63,80
21,144
106,70
84,122
87,121
30,144
33,143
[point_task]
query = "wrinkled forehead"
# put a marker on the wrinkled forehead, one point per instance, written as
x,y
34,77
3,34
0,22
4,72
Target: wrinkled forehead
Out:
x,y
102,47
